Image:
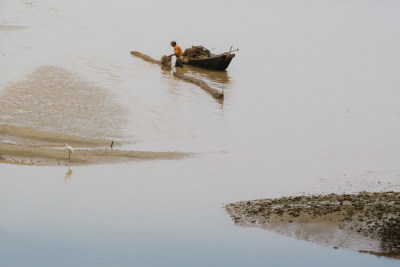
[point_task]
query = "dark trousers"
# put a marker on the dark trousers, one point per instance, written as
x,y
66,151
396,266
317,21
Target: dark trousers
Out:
x,y
179,62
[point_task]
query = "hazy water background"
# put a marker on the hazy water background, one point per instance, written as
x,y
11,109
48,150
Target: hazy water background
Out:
x,y
311,106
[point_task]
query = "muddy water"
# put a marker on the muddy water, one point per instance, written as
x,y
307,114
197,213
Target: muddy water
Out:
x,y
311,106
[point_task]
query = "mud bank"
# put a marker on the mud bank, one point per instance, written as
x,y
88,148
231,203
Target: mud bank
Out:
x,y
27,136
28,146
11,27
40,156
54,107
365,222
55,100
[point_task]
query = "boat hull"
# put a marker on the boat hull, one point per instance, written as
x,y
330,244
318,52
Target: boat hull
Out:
x,y
215,62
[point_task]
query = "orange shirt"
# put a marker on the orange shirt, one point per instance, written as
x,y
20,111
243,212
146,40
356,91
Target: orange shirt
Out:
x,y
178,51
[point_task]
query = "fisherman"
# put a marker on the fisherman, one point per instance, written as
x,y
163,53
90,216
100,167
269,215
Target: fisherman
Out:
x,y
178,53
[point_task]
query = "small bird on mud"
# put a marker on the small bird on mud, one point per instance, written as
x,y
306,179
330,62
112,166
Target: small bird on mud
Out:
x,y
69,149
112,144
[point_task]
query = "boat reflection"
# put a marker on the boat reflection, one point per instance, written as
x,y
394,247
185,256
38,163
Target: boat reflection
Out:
x,y
218,77
219,81
212,75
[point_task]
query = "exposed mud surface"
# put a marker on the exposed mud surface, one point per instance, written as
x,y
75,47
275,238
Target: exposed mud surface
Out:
x,y
55,100
366,222
28,146
25,136
52,107
11,27
26,155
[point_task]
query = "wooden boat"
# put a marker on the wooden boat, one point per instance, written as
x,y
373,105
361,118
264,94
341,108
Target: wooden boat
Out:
x,y
201,57
214,62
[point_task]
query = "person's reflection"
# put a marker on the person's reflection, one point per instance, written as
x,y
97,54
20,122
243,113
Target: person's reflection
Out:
x,y
68,175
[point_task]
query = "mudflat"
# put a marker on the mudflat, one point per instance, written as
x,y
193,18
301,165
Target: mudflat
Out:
x,y
53,106
26,155
21,145
32,137
366,222
55,100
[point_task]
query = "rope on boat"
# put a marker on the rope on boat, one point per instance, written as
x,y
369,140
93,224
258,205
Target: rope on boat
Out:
x,y
202,84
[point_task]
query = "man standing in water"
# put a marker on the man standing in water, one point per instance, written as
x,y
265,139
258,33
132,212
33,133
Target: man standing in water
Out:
x,y
178,53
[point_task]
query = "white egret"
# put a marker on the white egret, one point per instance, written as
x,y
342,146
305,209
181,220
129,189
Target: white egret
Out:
x,y
69,149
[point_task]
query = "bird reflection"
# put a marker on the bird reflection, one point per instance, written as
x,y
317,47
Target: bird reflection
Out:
x,y
68,175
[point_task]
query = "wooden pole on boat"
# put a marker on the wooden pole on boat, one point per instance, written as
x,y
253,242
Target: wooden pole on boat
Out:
x,y
230,50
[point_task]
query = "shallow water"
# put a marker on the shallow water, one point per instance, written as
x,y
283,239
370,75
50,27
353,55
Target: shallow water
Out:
x,y
311,106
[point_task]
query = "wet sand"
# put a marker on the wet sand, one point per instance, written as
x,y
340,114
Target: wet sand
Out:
x,y
53,106
40,156
27,146
56,100
11,27
26,136
365,222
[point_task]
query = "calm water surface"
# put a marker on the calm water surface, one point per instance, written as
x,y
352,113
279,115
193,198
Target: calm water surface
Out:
x,y
311,106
